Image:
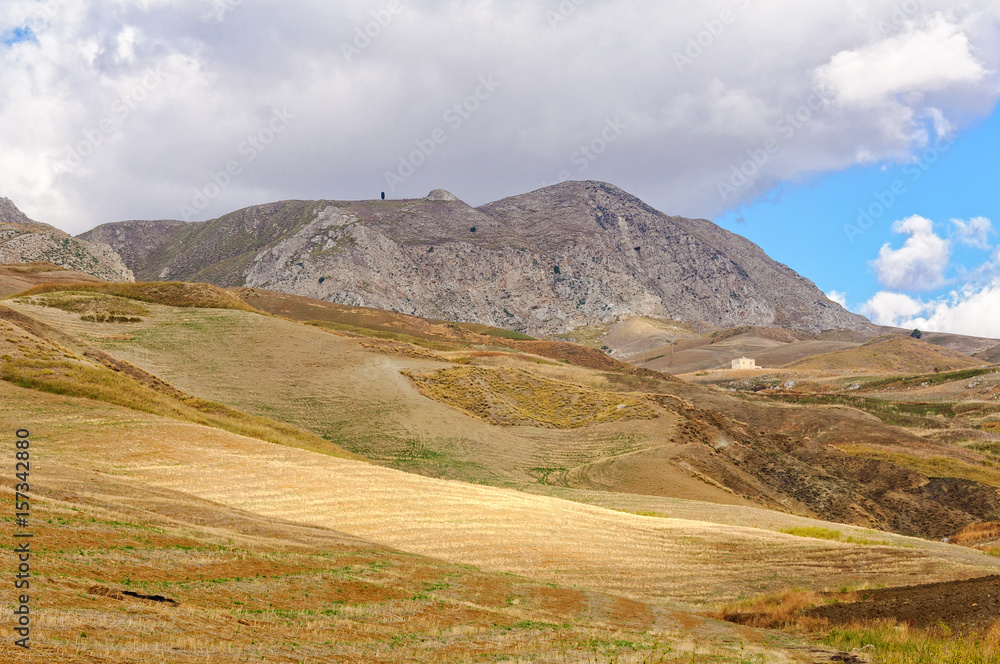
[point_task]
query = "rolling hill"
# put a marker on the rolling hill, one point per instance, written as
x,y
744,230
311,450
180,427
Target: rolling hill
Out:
x,y
492,410
244,473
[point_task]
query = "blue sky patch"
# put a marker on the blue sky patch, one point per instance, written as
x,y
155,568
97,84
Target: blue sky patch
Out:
x,y
17,35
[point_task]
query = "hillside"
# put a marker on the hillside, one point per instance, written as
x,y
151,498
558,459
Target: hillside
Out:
x,y
23,240
549,509
22,276
891,353
564,257
177,550
509,416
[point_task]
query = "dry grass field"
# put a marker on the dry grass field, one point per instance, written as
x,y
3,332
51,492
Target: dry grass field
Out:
x,y
18,278
514,397
278,554
553,509
891,354
355,393
244,587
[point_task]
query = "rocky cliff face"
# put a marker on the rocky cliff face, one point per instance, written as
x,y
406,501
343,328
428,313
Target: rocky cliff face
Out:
x,y
575,254
23,240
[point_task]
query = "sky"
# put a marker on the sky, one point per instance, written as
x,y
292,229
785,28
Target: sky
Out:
x,y
853,140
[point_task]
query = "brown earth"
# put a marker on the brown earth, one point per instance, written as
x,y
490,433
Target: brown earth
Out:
x,y
442,335
18,278
891,354
963,606
838,350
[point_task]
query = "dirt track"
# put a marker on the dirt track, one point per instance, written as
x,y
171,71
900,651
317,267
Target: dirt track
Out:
x,y
964,606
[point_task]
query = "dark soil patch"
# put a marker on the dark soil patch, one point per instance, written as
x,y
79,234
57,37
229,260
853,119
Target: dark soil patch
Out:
x,y
152,598
963,606
111,593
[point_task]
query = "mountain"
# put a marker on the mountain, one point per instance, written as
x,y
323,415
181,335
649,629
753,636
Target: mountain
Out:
x,y
23,240
570,255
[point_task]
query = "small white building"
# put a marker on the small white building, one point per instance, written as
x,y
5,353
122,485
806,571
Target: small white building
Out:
x,y
744,363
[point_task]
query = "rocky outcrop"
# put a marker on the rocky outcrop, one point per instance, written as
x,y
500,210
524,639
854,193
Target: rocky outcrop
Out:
x,y
575,254
23,240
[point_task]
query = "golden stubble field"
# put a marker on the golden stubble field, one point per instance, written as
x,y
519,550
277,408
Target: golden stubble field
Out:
x,y
282,555
253,587
676,562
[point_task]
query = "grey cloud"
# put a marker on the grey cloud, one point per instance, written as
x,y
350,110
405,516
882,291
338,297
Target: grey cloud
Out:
x,y
562,80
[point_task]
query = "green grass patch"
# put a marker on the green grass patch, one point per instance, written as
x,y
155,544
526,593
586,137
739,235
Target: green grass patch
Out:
x,y
935,466
888,643
819,532
908,382
920,415
80,379
815,532
494,331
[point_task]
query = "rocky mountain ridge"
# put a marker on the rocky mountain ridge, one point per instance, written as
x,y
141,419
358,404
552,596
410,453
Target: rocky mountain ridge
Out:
x,y
23,240
570,255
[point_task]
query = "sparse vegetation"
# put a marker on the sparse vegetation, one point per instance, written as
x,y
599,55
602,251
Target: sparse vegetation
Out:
x,y
774,611
815,532
312,382
933,466
170,293
34,268
977,533
819,532
890,354
385,334
921,415
109,318
82,379
897,383
880,641
513,397
889,642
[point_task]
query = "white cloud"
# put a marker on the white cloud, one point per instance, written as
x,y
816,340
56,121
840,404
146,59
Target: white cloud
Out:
x,y
930,58
126,42
608,59
838,297
971,311
975,232
887,308
942,126
920,263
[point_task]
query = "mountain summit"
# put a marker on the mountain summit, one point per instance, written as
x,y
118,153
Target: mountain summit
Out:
x,y
569,255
